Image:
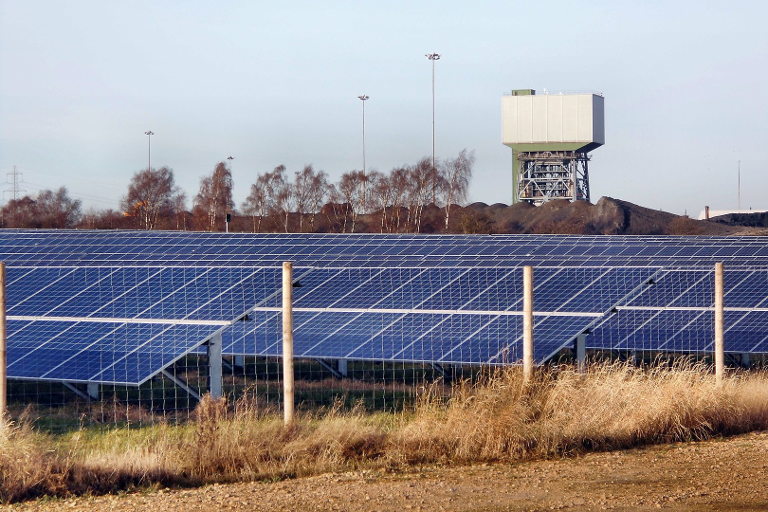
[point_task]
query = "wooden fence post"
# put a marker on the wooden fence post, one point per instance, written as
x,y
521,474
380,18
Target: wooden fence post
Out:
x,y
288,392
719,324
3,351
527,323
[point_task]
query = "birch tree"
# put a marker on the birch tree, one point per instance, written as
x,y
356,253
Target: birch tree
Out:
x,y
456,174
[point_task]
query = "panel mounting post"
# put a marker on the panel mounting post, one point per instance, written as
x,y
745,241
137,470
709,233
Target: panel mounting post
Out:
x,y
180,382
745,360
527,323
215,363
330,367
581,353
288,398
92,388
719,324
3,351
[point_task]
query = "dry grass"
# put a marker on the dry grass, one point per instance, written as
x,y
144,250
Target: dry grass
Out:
x,y
499,419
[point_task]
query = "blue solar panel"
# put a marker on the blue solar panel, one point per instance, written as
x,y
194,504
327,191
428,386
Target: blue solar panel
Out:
x,y
465,288
213,277
604,292
218,249
323,288
382,285
420,288
89,297
668,287
752,291
97,352
143,361
749,333
445,338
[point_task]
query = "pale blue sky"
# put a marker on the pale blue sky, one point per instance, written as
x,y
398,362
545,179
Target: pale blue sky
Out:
x,y
685,82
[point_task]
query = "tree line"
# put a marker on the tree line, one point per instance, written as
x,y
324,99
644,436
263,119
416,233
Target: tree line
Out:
x,y
408,198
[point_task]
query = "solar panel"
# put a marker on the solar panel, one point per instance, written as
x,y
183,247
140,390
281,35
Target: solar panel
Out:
x,y
97,324
119,306
219,249
98,352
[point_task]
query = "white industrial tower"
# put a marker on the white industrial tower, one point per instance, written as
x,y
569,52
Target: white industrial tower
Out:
x,y
551,136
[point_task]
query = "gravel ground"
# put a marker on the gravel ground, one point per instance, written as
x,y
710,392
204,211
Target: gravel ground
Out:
x,y
726,474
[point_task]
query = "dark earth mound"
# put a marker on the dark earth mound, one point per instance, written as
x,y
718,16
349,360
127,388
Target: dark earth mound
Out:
x,y
608,217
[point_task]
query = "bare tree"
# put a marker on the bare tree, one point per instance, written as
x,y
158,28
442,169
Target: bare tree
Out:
x,y
420,178
456,174
351,189
380,194
152,194
256,204
180,210
49,209
319,191
56,209
399,183
309,189
278,195
335,210
215,197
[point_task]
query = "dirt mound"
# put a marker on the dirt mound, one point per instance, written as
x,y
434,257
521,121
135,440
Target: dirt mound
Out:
x,y
608,217
756,220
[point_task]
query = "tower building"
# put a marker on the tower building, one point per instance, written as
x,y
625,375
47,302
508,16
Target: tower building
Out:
x,y
551,136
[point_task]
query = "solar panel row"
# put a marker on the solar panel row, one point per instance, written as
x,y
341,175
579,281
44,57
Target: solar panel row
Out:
x,y
673,313
217,249
447,299
107,352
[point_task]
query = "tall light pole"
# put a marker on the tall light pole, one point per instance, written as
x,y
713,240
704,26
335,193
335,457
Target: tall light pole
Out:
x,y
149,135
363,98
433,57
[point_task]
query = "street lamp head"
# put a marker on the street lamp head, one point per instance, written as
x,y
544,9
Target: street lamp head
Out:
x,y
433,56
150,132
230,157
363,97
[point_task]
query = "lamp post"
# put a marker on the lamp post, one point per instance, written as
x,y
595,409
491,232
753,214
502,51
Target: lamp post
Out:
x,y
433,57
363,98
149,135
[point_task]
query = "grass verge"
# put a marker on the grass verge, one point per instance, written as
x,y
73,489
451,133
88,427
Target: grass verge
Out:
x,y
497,419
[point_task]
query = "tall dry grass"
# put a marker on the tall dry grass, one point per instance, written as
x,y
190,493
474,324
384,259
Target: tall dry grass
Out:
x,y
497,419
612,406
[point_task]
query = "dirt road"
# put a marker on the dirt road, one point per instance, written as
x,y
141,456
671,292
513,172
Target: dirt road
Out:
x,y
727,474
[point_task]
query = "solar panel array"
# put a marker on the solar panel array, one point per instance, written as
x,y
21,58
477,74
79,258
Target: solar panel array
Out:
x,y
119,306
58,247
121,324
674,313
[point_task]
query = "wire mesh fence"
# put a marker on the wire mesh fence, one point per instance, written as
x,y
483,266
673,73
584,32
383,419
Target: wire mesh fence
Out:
x,y
372,338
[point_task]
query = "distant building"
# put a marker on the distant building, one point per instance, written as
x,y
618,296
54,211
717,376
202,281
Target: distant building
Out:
x,y
707,213
551,136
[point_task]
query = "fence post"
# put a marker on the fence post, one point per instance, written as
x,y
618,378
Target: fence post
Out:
x,y
288,398
719,324
3,351
527,323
